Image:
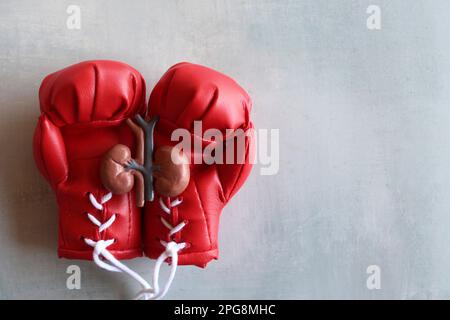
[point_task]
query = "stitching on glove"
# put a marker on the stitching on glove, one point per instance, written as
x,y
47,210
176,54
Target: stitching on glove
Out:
x,y
94,101
242,166
205,216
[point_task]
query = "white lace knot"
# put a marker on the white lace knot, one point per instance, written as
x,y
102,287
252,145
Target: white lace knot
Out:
x,y
101,245
172,248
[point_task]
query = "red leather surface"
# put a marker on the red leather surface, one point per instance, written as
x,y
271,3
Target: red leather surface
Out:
x,y
83,108
186,93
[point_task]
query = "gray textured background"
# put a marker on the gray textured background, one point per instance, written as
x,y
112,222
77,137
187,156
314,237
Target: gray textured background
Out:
x,y
364,155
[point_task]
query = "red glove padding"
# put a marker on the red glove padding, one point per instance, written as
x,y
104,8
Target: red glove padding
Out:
x,y
83,108
186,93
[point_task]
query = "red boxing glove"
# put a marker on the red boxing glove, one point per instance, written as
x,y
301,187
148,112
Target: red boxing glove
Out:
x,y
83,108
184,227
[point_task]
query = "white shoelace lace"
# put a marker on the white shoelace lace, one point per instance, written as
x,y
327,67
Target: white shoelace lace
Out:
x,y
102,254
171,251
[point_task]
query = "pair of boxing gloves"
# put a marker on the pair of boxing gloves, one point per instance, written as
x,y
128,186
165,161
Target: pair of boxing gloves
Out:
x,y
109,157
